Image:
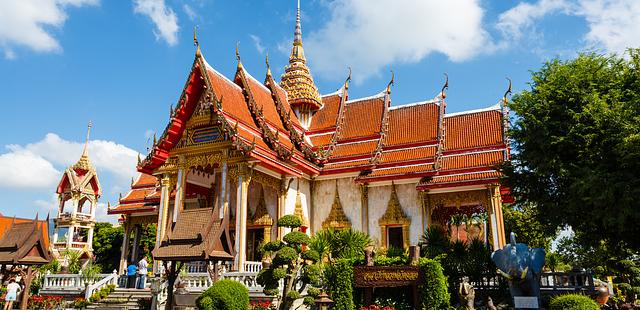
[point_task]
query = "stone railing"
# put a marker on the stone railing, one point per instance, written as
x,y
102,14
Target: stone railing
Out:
x,y
69,283
246,278
196,282
110,279
252,267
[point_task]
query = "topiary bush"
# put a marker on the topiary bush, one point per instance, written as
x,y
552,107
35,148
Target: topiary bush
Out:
x,y
573,302
339,281
289,221
433,288
224,295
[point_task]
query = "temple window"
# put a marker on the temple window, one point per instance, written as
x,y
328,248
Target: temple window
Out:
x,y
394,223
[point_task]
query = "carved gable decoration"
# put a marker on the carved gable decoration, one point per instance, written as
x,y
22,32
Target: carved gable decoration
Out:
x,y
394,214
298,210
336,219
261,216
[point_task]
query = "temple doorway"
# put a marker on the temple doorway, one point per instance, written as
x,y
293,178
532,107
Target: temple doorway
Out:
x,y
255,236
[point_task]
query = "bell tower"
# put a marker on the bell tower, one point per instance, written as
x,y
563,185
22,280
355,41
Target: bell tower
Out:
x,y
78,193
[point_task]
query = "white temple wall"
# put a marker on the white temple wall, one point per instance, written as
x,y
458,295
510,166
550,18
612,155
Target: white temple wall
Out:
x,y
324,193
271,202
290,203
409,201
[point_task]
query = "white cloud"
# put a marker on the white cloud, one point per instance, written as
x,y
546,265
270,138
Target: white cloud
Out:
x,y
28,23
523,16
164,18
614,25
371,34
191,13
32,165
257,42
25,169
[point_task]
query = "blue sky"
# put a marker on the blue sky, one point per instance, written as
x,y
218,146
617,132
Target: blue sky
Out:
x,y
122,64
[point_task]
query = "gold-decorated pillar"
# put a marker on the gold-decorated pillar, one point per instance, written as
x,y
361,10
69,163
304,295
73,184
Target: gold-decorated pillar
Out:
x,y
364,202
242,191
496,220
163,211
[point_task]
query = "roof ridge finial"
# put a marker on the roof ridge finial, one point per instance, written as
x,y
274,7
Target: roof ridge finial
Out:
x,y
238,54
346,82
505,100
195,40
393,77
445,87
85,151
266,60
297,35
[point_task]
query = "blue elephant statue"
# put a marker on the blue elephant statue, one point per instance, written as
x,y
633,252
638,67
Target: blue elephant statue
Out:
x,y
521,265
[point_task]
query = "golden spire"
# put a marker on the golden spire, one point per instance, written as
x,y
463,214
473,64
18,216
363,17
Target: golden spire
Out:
x,y
297,79
84,163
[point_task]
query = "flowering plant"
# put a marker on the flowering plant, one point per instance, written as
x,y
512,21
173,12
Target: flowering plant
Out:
x,y
80,303
377,307
44,302
260,304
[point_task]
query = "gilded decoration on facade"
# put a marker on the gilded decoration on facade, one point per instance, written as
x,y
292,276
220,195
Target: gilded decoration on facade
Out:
x,y
266,180
458,199
394,214
336,219
261,216
298,210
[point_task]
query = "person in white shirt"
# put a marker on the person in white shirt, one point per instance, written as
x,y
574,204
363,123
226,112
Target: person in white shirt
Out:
x,y
12,294
142,272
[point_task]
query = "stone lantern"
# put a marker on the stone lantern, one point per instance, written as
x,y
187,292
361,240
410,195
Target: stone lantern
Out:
x,y
323,301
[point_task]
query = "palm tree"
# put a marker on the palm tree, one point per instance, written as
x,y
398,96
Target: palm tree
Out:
x,y
434,242
457,220
336,244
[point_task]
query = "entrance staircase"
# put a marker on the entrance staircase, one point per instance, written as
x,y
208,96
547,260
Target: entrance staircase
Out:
x,y
124,298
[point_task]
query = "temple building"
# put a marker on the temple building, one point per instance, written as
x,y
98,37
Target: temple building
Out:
x,y
78,192
237,154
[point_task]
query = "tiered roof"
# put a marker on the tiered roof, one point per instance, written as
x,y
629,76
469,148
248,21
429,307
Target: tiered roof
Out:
x,y
23,241
144,196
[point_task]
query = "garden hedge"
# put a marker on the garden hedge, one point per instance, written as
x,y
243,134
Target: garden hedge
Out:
x,y
339,280
433,287
573,302
224,295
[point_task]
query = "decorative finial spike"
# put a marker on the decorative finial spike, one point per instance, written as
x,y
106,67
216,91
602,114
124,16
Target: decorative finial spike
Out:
x,y
267,62
86,142
238,51
195,41
171,111
393,76
297,35
346,82
505,100
445,87
139,160
108,204
132,181
155,140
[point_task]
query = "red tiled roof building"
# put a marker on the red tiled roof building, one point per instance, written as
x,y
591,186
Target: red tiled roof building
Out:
x,y
234,145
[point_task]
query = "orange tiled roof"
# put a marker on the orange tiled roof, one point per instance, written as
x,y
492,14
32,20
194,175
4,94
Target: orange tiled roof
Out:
x,y
401,170
356,148
347,164
473,130
465,177
233,101
321,140
145,180
413,153
362,118
263,99
481,159
327,116
412,124
282,95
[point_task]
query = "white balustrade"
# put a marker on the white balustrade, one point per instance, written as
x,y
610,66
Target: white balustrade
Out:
x,y
69,282
107,280
252,267
246,278
196,282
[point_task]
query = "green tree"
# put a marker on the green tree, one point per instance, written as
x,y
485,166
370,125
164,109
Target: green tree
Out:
x,y
576,141
522,219
107,244
292,264
339,244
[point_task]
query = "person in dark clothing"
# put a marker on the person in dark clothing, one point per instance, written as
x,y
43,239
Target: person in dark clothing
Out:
x,y
131,275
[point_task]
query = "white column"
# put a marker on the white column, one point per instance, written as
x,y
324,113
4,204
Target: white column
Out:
x,y
223,184
70,236
241,220
162,216
55,235
94,204
180,187
90,237
125,245
136,243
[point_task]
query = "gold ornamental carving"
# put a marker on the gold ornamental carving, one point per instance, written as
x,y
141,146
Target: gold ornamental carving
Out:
x,y
336,219
394,214
261,216
458,199
298,210
212,159
266,180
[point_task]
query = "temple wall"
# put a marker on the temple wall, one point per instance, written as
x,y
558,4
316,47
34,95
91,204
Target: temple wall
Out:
x,y
290,204
409,200
271,202
324,193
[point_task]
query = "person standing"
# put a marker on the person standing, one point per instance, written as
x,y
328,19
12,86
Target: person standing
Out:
x,y
131,275
12,294
142,272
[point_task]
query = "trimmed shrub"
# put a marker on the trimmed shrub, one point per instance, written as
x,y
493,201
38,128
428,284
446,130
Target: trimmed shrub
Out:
x,y
339,280
285,256
224,295
433,288
290,221
296,238
573,302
